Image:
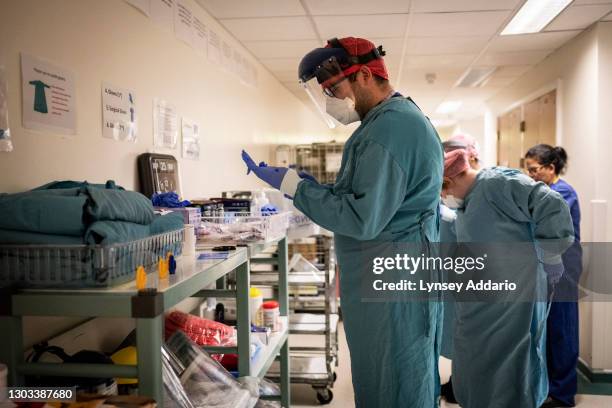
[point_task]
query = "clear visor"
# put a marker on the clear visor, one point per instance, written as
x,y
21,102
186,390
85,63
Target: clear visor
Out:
x,y
328,82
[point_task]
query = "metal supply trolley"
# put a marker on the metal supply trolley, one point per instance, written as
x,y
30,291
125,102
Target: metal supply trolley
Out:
x,y
311,365
192,276
322,160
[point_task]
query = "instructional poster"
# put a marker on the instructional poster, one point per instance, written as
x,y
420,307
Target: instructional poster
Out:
x,y
227,57
200,36
119,120
165,124
183,25
162,14
48,96
214,48
191,139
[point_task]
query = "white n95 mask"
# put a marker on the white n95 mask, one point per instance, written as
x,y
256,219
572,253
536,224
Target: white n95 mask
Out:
x,y
452,202
343,110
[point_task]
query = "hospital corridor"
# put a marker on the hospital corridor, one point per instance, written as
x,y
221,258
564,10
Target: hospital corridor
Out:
x,y
303,203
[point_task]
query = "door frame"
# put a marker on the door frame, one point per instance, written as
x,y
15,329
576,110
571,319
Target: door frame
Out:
x,y
556,85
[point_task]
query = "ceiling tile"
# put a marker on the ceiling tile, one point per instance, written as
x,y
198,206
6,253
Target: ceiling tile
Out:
x,y
512,58
392,46
445,45
281,64
445,6
371,26
281,49
270,29
457,24
512,70
459,61
583,2
579,17
531,42
353,7
501,81
260,8
416,78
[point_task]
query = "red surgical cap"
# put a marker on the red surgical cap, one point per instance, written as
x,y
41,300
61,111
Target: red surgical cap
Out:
x,y
359,46
456,162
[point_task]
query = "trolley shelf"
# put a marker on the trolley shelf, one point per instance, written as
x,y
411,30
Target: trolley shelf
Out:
x,y
307,323
294,278
309,369
268,353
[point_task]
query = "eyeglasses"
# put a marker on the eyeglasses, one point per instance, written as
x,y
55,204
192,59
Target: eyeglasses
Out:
x,y
533,170
332,89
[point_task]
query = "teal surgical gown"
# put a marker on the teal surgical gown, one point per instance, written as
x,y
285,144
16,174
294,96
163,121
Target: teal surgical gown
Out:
x,y
448,236
387,190
499,355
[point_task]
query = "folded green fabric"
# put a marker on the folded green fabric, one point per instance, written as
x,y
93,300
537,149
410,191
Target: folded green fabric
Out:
x,y
168,222
43,213
114,232
118,205
22,237
64,184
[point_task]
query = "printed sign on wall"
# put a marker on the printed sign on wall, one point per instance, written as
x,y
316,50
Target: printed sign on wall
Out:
x,y
48,96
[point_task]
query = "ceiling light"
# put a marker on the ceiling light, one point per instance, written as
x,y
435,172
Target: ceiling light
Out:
x,y
475,77
534,15
448,107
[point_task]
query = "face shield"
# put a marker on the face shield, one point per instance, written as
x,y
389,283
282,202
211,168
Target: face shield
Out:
x,y
330,91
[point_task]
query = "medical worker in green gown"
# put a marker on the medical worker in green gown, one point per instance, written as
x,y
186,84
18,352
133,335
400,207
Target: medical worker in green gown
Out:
x,y
387,190
499,355
447,236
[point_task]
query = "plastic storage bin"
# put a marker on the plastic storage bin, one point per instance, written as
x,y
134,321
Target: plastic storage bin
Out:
x,y
243,228
83,266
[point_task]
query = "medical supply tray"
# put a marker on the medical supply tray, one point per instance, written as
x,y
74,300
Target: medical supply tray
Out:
x,y
243,228
83,266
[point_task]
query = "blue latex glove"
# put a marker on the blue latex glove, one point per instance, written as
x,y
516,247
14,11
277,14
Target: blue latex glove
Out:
x,y
304,174
170,200
554,272
270,174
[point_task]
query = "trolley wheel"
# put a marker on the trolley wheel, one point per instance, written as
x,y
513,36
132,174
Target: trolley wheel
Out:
x,y
325,396
335,377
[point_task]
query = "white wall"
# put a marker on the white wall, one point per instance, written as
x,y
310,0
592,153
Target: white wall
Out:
x,y
582,68
111,41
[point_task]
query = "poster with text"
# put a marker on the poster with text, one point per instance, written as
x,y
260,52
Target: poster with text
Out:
x,y
162,14
165,124
48,96
191,139
119,120
183,21
214,48
200,36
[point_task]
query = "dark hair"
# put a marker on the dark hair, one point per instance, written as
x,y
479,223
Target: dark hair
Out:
x,y
547,155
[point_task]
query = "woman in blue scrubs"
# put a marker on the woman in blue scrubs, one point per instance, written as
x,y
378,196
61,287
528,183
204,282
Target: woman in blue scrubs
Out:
x,y
546,163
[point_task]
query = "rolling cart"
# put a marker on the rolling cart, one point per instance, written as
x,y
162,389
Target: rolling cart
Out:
x,y
313,365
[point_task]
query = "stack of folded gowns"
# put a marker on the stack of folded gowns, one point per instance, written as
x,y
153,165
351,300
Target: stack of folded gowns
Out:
x,y
68,212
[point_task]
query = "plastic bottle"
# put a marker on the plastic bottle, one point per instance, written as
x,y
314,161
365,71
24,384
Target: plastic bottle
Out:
x,y
271,315
259,200
256,304
207,311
